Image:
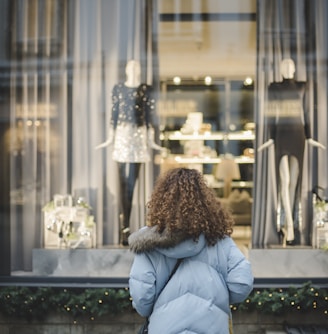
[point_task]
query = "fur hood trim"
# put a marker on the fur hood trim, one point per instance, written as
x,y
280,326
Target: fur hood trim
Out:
x,y
147,239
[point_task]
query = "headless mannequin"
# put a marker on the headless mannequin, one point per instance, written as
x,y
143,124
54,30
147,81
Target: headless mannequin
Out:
x,y
128,172
130,133
289,130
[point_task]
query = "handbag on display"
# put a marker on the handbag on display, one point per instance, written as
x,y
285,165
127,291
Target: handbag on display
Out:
x,y
144,327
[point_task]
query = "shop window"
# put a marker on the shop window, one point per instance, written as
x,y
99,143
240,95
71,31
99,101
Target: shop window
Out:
x,y
206,108
208,65
61,194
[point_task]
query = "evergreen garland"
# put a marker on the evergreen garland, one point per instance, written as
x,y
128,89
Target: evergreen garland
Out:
x,y
37,302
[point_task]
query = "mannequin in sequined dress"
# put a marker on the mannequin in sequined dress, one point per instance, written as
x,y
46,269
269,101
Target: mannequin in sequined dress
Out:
x,y
289,130
131,134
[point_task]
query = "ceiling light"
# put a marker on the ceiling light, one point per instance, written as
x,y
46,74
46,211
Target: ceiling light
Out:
x,y
177,80
208,80
248,81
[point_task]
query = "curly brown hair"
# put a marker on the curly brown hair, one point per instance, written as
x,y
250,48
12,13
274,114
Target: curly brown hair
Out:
x,y
181,202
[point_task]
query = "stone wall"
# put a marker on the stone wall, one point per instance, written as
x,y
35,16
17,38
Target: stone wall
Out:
x,y
259,323
128,323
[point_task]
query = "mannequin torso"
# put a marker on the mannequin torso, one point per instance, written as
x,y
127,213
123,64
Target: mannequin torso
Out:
x,y
131,117
287,121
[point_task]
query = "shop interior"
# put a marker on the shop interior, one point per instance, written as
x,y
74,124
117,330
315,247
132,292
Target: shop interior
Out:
x,y
206,107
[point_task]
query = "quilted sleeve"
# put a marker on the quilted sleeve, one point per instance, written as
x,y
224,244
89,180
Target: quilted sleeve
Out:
x,y
239,276
142,284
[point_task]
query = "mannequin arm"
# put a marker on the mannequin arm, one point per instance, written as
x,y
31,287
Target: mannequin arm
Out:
x,y
151,141
104,144
267,144
315,143
157,147
109,140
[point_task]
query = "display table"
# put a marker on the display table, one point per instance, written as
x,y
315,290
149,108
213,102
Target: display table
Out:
x,y
289,262
104,262
116,262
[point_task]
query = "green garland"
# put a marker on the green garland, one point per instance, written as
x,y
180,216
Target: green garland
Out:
x,y
278,301
35,303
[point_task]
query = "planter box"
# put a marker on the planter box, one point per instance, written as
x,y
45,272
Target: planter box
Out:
x,y
128,323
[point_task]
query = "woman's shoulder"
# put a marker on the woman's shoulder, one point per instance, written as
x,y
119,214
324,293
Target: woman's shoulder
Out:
x,y
228,246
226,241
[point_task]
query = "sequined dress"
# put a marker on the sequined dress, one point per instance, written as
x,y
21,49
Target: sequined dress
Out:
x,y
131,118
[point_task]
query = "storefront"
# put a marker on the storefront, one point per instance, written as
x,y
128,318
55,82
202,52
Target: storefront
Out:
x,y
236,89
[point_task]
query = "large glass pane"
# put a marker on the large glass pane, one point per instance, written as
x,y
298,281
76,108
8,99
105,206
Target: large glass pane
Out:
x,y
66,63
38,121
206,109
292,159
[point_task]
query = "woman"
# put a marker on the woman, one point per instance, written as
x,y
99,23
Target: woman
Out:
x,y
185,221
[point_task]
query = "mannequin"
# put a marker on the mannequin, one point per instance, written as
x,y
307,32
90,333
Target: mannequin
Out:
x,y
289,130
131,134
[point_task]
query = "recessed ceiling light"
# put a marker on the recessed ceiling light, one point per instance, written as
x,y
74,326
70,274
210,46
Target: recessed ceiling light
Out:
x,y
248,81
208,80
177,80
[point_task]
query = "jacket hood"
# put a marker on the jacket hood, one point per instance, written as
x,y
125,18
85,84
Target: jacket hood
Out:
x,y
175,245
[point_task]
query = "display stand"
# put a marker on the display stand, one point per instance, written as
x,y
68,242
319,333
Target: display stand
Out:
x,y
291,262
105,262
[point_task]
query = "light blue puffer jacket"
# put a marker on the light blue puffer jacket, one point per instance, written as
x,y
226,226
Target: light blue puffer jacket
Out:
x,y
198,296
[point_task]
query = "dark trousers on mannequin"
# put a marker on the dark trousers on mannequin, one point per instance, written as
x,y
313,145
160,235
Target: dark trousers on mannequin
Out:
x,y
128,174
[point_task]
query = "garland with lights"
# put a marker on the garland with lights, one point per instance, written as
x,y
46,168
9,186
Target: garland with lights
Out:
x,y
278,300
37,302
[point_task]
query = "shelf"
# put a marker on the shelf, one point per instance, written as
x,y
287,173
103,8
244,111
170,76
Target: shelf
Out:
x,y
238,135
181,159
234,184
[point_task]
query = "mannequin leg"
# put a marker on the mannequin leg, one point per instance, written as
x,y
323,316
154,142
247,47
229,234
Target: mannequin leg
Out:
x,y
128,173
294,179
294,174
284,174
